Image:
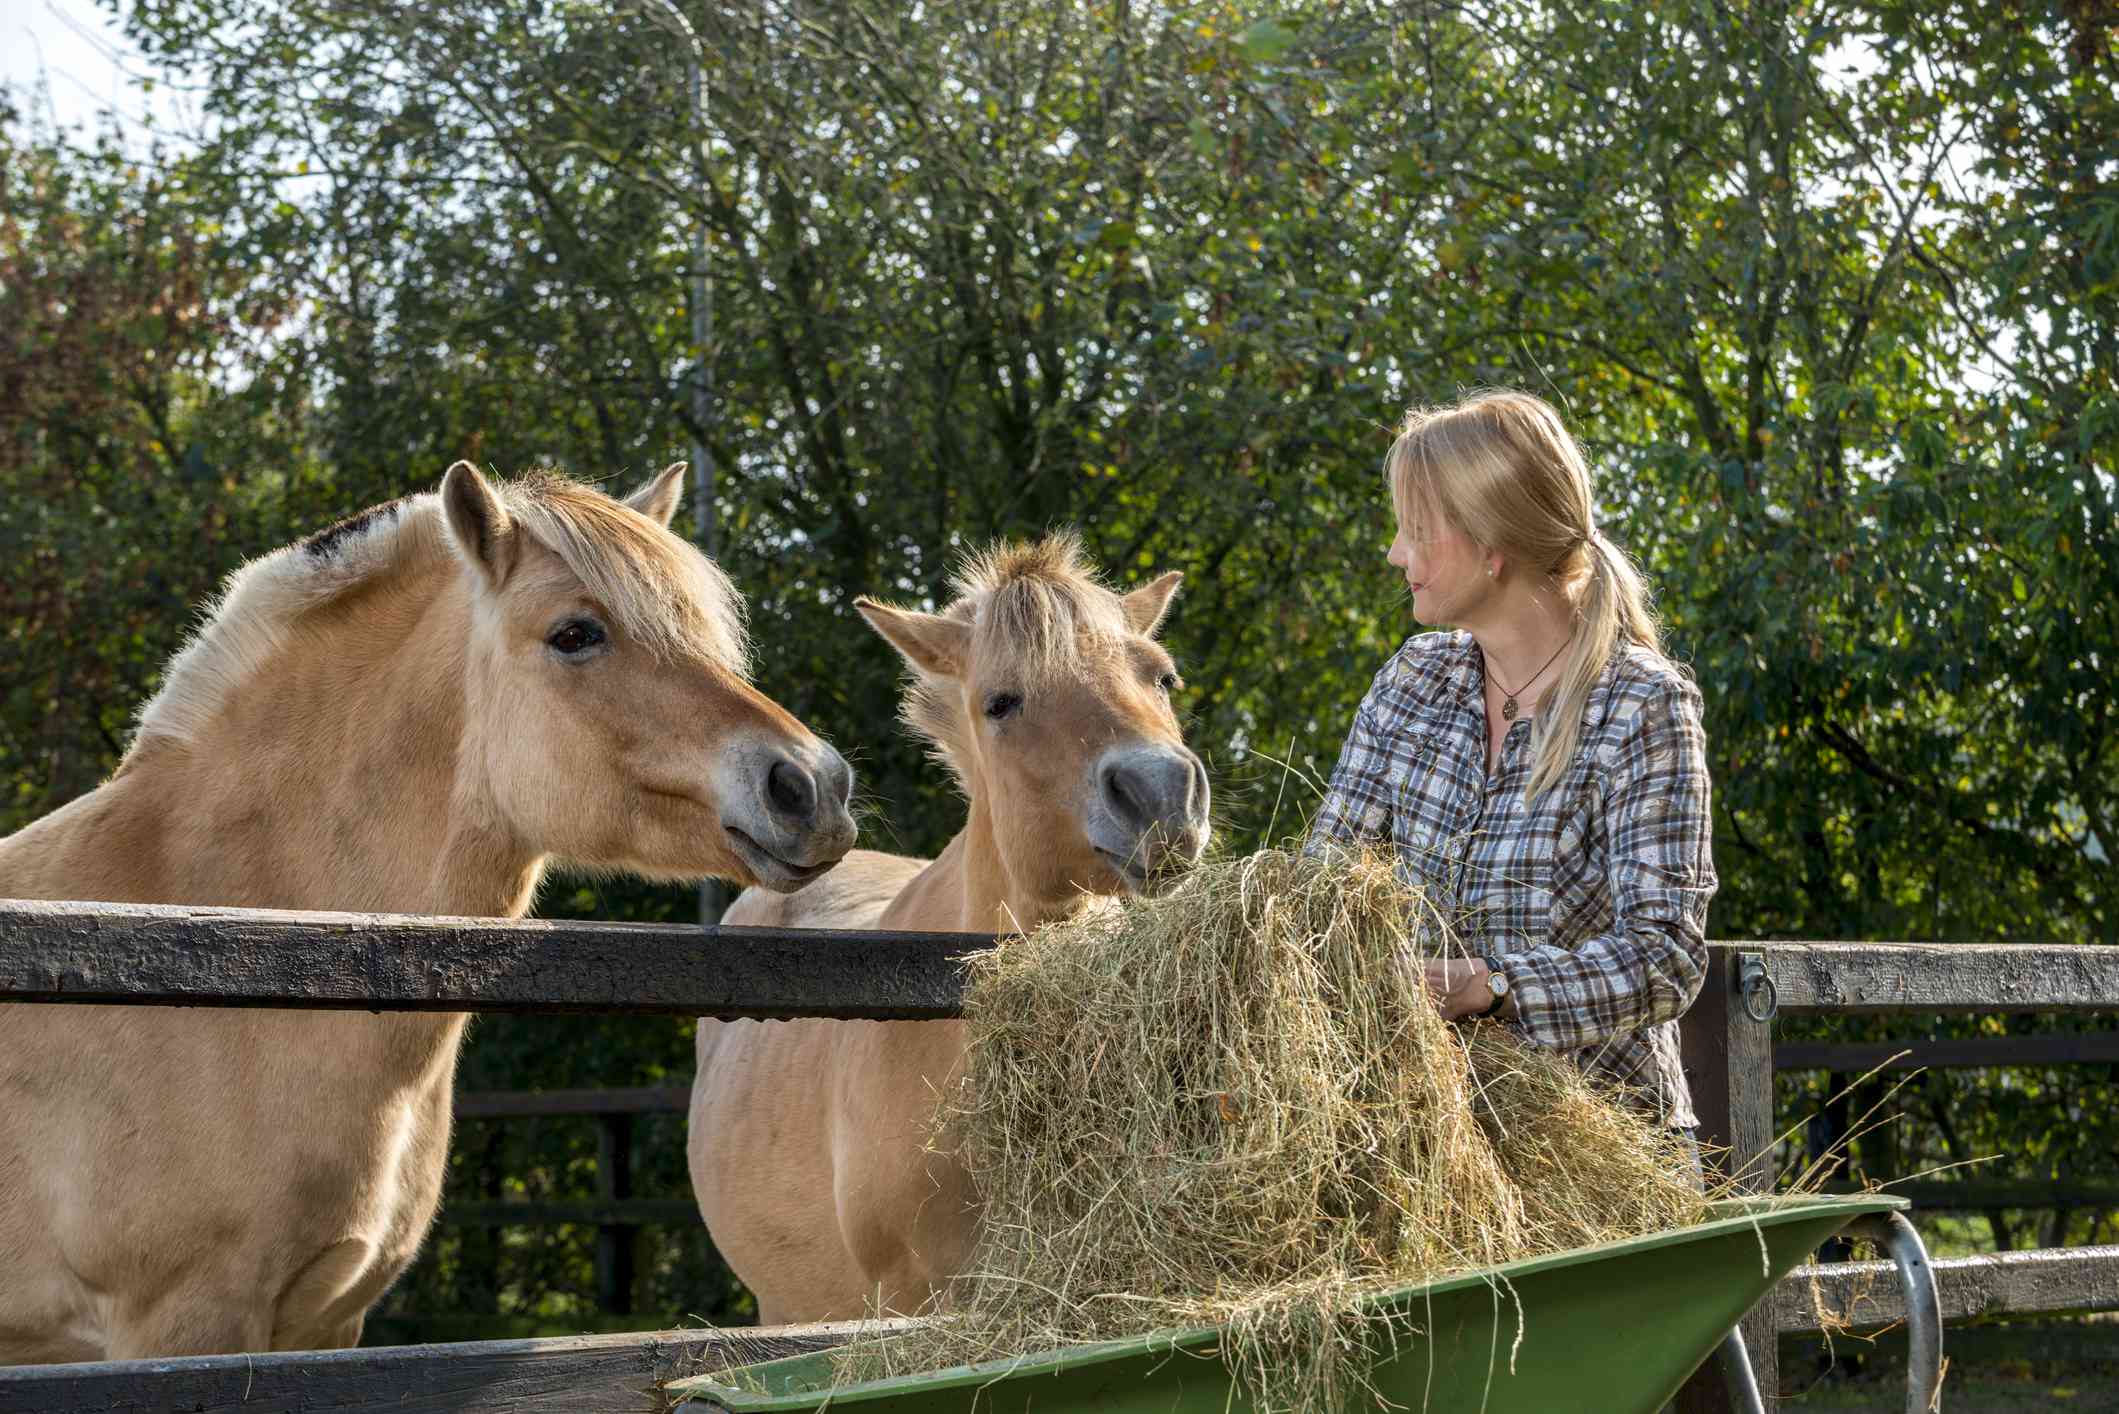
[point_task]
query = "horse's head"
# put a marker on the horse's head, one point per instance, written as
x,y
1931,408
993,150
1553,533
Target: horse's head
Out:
x,y
1050,698
609,708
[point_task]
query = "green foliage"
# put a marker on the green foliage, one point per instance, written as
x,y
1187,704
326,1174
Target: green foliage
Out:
x,y
1828,289
116,299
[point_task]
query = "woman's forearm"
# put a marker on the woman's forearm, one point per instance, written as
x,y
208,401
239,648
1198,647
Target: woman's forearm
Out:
x,y
1576,998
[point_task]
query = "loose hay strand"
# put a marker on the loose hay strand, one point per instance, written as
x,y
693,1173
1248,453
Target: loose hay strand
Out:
x,y
1234,1104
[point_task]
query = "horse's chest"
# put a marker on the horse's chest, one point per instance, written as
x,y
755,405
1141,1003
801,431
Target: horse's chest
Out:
x,y
359,1215
904,1200
406,1164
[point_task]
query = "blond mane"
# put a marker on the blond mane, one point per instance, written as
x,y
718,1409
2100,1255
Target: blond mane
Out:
x,y
1035,606
661,590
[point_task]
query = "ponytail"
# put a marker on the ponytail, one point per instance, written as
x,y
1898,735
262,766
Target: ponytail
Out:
x,y
1612,613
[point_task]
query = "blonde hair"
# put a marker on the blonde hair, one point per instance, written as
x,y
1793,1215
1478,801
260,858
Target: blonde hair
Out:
x,y
1501,468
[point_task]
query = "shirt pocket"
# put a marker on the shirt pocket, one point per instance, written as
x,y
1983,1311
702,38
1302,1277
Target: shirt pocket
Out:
x,y
1414,754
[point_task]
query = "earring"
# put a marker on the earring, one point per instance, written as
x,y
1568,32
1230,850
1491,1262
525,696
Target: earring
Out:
x,y
1491,571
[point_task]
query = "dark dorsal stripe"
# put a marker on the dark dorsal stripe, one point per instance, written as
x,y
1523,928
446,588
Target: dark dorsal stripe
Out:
x,y
325,542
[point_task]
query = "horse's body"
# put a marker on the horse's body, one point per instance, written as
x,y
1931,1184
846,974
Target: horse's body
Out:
x,y
409,712
809,1139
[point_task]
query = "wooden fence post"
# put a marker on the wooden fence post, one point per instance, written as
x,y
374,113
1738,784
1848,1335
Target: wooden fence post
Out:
x,y
1728,1059
614,1241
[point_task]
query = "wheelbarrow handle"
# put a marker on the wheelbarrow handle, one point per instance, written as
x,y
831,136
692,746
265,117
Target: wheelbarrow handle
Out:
x,y
1916,1280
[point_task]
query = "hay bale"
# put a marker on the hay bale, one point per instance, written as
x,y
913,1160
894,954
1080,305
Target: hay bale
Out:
x,y
1588,1171
1234,1103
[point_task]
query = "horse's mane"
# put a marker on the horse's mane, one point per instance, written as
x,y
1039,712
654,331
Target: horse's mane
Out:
x,y
1033,605
661,590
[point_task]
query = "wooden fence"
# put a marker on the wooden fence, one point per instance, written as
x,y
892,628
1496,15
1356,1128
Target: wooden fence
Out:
x,y
141,955
1730,1058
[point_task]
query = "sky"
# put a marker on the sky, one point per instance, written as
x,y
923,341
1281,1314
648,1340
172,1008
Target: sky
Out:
x,y
91,66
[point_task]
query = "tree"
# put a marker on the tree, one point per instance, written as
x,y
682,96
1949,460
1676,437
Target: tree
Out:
x,y
1826,287
117,303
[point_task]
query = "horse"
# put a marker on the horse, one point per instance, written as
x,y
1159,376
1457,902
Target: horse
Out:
x,y
411,711
1048,697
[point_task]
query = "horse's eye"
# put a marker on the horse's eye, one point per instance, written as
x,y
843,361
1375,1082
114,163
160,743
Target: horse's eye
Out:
x,y
1169,682
575,636
1002,704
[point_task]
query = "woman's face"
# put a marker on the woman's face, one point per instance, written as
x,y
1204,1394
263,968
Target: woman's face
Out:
x,y
1442,567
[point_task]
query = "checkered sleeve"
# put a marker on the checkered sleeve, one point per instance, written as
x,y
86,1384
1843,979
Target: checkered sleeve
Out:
x,y
1357,803
1650,966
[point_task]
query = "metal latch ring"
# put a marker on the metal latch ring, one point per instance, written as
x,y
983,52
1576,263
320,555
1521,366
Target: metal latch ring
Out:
x,y
1762,1000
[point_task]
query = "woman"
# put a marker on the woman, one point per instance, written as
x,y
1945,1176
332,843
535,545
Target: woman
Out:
x,y
1540,770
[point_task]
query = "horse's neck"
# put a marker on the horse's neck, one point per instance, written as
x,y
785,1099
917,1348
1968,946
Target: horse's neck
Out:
x,y
970,889
327,778
331,780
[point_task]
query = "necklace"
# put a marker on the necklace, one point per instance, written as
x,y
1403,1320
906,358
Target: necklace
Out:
x,y
1508,695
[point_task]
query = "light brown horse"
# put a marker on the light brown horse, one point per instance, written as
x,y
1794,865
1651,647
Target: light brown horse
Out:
x,y
1049,698
411,711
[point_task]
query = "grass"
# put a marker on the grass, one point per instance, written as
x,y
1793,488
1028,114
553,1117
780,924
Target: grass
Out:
x,y
1997,1368
1964,1392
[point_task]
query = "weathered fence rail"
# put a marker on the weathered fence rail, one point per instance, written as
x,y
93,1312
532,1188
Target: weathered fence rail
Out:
x,y
1865,1296
151,955
1855,979
147,955
1730,1057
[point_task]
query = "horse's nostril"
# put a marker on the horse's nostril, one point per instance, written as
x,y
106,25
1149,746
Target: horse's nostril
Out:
x,y
790,789
1125,794
1155,788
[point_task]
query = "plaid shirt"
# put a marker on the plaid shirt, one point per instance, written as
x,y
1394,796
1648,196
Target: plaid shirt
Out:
x,y
1593,899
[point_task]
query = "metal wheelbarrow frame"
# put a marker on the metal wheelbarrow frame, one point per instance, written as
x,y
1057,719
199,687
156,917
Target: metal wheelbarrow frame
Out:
x,y
1612,1328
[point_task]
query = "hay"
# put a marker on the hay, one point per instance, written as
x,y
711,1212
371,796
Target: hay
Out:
x,y
1588,1170
1234,1104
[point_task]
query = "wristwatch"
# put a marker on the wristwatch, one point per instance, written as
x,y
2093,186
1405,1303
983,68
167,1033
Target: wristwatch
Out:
x,y
1497,983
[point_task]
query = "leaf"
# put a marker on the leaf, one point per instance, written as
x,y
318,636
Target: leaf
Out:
x,y
1267,40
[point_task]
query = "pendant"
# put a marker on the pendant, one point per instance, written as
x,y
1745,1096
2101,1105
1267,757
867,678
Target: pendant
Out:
x,y
1508,709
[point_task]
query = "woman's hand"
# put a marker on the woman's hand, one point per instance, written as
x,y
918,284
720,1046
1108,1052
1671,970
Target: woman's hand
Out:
x,y
1460,989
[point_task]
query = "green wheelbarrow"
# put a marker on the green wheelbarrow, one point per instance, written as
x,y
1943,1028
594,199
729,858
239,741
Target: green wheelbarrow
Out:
x,y
1612,1329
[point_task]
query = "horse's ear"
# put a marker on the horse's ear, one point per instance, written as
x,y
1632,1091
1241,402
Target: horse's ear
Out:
x,y
659,499
936,646
1146,605
478,522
